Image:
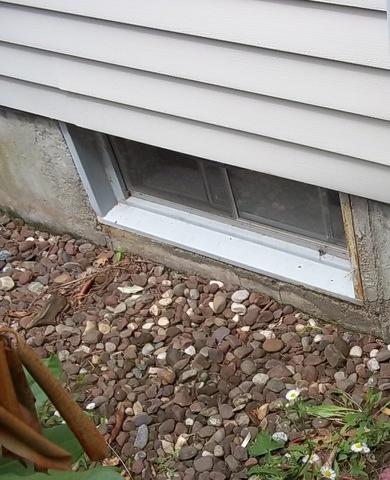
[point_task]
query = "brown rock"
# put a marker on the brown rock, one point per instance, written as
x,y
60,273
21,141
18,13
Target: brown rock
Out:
x,y
183,398
273,345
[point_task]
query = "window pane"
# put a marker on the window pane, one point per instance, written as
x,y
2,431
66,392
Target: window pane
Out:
x,y
173,176
287,204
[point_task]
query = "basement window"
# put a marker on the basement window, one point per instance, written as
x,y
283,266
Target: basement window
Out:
x,y
247,198
280,228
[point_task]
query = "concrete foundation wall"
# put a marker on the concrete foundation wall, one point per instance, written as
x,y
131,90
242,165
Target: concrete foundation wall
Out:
x,y
40,183
38,179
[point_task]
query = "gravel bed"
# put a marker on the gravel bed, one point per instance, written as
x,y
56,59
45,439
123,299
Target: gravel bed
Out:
x,y
182,371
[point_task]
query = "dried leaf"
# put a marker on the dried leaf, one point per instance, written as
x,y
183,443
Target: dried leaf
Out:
x,y
85,289
26,450
103,258
14,428
119,417
386,411
261,412
48,314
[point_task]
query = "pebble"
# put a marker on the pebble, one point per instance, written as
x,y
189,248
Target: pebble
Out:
x,y
36,287
203,464
240,296
356,352
273,345
373,365
198,370
383,355
142,437
6,284
238,308
260,379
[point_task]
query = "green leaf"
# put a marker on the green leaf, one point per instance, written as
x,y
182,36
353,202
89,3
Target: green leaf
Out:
x,y
62,436
54,365
263,444
99,473
328,411
10,466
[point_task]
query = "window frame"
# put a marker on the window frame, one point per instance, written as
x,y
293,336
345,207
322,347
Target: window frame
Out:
x,y
269,227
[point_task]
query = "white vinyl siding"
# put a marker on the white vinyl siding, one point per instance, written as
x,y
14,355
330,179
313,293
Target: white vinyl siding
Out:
x,y
298,89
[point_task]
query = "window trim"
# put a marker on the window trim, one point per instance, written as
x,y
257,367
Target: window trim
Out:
x,y
246,249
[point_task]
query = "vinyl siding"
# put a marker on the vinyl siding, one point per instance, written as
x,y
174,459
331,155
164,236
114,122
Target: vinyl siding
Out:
x,y
299,89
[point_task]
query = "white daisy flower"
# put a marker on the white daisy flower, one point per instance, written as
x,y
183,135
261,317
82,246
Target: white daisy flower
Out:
x,y
292,395
279,437
327,472
314,458
360,447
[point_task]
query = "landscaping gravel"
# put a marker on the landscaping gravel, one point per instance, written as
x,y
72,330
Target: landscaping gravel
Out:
x,y
179,369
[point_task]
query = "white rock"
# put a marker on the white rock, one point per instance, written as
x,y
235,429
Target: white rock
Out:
x,y
216,282
238,308
236,318
6,284
356,351
300,328
162,356
132,326
147,326
90,406
137,408
245,329
89,326
190,350
154,310
318,338
167,294
374,353
267,334
63,355
164,302
260,379
373,365
181,441
240,296
189,422
163,322
104,328
147,349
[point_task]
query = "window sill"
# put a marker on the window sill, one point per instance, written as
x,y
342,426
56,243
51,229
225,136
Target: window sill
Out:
x,y
243,248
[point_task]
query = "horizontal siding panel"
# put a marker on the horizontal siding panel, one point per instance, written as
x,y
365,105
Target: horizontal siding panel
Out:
x,y
335,85
380,5
228,146
347,134
325,31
